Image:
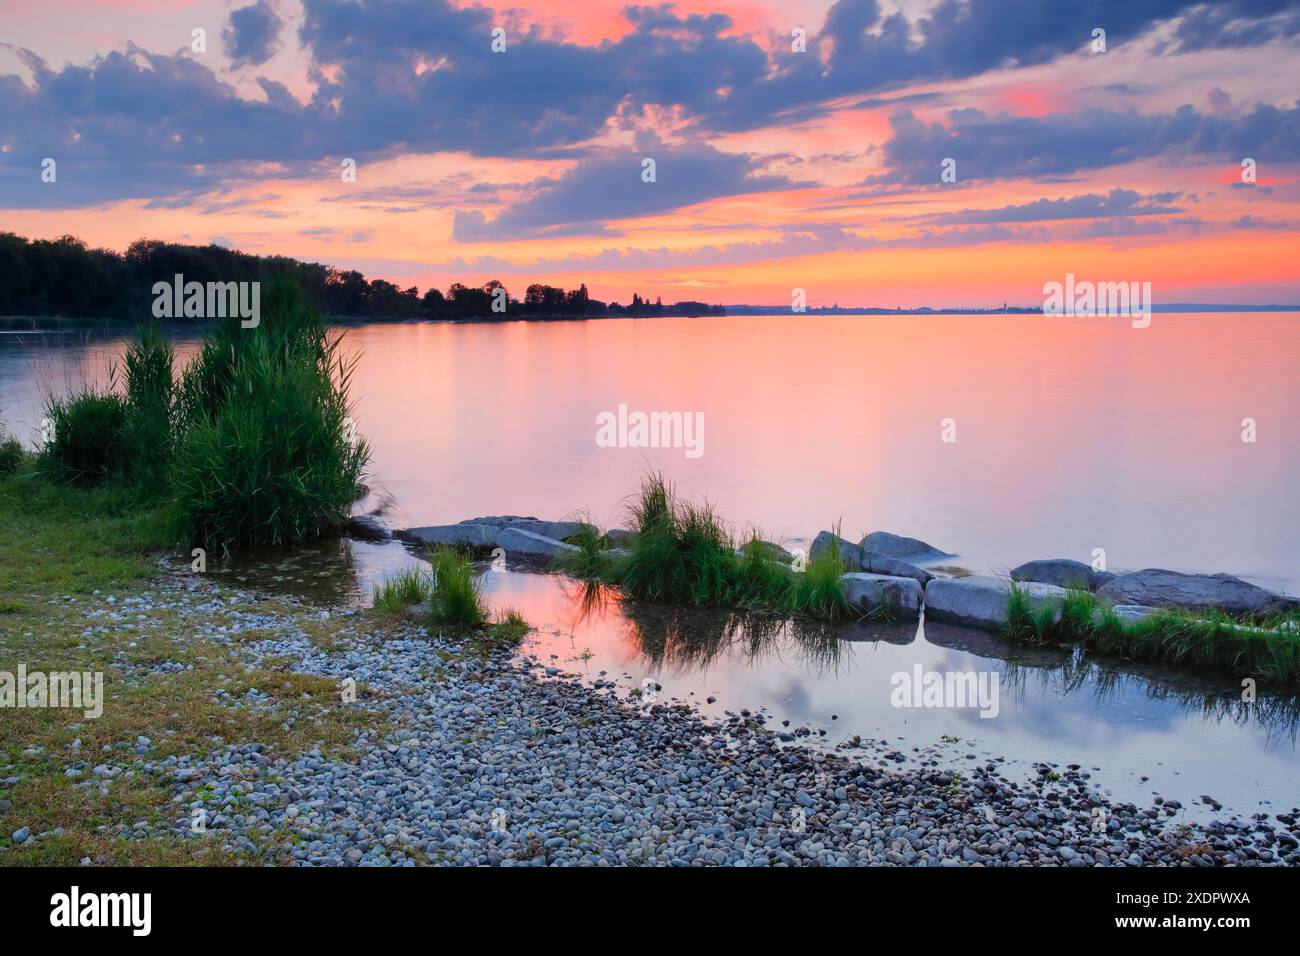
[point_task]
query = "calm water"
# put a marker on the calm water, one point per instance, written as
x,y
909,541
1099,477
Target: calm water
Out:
x,y
1070,435
1139,731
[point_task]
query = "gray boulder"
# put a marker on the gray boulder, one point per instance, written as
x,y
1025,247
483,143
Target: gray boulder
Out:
x,y
521,543
453,535
618,537
899,596
1062,572
897,546
982,601
550,529
879,564
858,558
1156,587
850,553
368,528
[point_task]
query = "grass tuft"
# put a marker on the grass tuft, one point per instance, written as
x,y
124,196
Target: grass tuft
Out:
x,y
149,430
1266,649
456,597
683,553
86,441
508,628
12,455
408,588
266,457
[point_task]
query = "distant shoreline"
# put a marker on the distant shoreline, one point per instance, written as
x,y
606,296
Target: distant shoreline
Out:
x,y
1007,310
51,323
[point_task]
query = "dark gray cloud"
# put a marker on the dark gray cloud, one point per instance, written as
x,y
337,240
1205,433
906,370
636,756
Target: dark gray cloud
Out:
x,y
609,186
869,50
1254,222
253,35
133,124
1233,23
399,76
1062,144
1116,203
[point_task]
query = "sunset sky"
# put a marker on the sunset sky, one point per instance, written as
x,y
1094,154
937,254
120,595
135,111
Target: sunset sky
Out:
x,y
775,169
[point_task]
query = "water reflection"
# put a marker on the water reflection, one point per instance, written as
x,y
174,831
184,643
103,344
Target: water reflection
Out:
x,y
680,638
1276,714
677,638
1139,729
497,418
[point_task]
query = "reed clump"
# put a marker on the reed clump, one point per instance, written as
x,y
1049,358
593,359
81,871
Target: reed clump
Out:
x,y
1267,649
252,446
682,552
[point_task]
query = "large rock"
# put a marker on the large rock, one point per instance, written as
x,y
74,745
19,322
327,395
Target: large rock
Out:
x,y
981,601
896,546
858,558
453,535
880,564
520,543
550,529
769,550
826,541
899,596
368,528
617,537
1062,572
1156,587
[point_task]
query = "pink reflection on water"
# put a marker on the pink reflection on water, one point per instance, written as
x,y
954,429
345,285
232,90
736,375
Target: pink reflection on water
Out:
x,y
1072,434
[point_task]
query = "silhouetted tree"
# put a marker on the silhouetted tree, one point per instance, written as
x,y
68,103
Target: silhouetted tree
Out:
x,y
63,277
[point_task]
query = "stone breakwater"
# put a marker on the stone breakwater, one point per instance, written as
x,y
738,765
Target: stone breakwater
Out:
x,y
499,760
885,573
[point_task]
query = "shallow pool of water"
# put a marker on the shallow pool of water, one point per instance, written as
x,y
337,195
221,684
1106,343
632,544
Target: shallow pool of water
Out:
x,y
1139,730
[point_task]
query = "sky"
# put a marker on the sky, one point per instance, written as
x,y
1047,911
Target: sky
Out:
x,y
796,144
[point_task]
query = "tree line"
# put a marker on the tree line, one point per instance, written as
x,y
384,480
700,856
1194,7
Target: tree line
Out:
x,y
64,277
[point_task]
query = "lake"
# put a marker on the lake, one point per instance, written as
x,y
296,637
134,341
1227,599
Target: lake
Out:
x,y
1070,435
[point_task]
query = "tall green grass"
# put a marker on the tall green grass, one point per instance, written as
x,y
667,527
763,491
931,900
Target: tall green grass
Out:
x,y
150,427
591,562
455,599
86,442
12,454
509,627
456,596
816,592
96,436
252,447
405,589
683,553
1267,649
265,456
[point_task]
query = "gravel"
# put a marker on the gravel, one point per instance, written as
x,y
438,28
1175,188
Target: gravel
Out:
x,y
496,760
